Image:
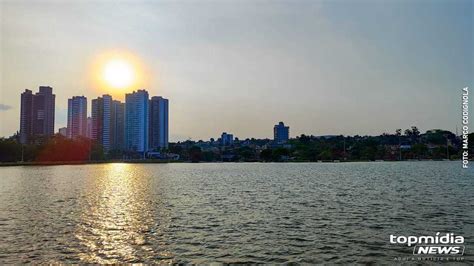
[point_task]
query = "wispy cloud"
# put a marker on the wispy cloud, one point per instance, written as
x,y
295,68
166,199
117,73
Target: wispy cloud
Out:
x,y
4,107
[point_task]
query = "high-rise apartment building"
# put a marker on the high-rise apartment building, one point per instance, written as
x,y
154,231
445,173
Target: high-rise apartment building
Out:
x,y
37,115
102,127
281,133
77,117
26,117
158,136
136,121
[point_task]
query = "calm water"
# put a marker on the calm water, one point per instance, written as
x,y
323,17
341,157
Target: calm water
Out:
x,y
269,213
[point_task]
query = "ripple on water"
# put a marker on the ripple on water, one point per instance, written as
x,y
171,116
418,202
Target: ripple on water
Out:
x,y
228,213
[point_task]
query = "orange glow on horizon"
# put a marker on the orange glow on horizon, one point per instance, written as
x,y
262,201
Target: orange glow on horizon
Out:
x,y
117,72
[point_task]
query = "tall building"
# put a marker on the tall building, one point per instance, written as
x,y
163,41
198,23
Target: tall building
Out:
x,y
136,121
118,124
77,117
89,127
37,115
158,123
281,133
102,127
227,139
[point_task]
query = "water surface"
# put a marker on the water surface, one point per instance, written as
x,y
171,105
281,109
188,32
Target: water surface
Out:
x,y
235,212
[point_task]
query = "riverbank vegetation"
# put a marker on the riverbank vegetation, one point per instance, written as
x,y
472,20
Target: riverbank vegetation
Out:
x,y
409,145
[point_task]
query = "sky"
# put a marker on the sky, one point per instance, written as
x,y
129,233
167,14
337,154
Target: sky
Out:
x,y
323,67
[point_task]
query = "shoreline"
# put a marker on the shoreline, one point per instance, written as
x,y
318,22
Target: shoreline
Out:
x,y
8,164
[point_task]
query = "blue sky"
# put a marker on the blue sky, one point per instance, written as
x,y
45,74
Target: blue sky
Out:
x,y
322,67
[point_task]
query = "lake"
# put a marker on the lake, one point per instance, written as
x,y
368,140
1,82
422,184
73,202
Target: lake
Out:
x,y
230,212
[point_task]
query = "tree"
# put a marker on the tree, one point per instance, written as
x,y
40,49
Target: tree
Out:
x,y
278,153
398,132
415,132
246,153
368,153
419,150
97,152
266,155
59,148
10,150
326,155
209,156
195,154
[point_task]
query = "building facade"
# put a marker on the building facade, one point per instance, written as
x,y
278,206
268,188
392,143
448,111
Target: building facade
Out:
x,y
26,117
136,121
118,124
63,131
281,133
89,127
158,135
77,117
227,139
37,115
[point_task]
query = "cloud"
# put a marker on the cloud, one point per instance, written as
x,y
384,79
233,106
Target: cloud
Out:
x,y
4,107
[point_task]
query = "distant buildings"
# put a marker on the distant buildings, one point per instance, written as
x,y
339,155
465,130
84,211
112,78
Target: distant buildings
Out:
x,y
118,125
37,115
138,125
63,131
281,133
158,123
77,117
227,139
89,127
136,121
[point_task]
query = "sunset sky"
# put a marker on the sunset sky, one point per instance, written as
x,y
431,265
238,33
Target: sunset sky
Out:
x,y
323,67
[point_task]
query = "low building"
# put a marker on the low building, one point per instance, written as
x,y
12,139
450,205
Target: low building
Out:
x,y
63,131
227,139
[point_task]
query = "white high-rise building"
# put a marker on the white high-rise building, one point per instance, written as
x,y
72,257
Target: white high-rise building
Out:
x,y
77,117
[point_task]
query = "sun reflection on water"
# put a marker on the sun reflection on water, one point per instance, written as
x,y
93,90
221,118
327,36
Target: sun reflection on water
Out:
x,y
117,224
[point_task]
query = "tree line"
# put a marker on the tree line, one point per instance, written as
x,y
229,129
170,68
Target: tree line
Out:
x,y
409,145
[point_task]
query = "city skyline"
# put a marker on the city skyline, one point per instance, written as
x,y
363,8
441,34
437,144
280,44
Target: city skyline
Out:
x,y
115,111
77,117
140,124
319,66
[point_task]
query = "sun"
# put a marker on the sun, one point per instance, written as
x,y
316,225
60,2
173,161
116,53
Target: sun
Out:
x,y
118,73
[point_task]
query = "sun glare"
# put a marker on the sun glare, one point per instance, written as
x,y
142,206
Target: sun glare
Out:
x,y
118,73
115,72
